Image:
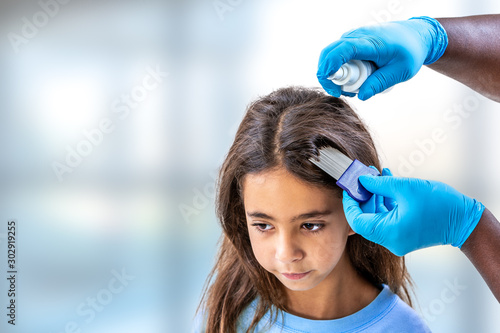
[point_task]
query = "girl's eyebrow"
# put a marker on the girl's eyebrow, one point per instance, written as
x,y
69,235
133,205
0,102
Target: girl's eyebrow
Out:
x,y
312,214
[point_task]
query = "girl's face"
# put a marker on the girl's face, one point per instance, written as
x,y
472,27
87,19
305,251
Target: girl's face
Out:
x,y
298,231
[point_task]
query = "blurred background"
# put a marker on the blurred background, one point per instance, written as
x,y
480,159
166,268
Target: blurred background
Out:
x,y
117,114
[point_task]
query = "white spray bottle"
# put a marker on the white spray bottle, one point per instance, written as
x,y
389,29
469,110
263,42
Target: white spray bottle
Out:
x,y
352,74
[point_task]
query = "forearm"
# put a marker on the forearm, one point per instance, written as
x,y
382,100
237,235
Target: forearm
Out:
x,y
483,250
473,53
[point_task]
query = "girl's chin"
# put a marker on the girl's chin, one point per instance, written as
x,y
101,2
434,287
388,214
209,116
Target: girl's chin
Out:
x,y
299,285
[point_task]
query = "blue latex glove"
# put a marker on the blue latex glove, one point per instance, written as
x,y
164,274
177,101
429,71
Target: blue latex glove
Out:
x,y
413,213
398,49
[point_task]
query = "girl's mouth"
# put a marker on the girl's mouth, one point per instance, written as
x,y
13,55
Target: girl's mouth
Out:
x,y
295,276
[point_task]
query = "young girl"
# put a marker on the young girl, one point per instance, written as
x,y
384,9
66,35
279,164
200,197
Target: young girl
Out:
x,y
288,260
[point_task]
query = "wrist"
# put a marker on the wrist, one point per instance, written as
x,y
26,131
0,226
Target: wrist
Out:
x,y
436,38
469,223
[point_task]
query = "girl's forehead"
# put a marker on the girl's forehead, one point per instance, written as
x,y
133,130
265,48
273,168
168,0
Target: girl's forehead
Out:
x,y
280,178
278,190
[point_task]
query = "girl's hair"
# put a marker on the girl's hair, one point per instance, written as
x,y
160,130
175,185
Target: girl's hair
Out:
x,y
285,129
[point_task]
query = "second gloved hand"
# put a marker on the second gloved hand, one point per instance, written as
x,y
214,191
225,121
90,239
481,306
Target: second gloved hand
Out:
x,y
398,49
416,214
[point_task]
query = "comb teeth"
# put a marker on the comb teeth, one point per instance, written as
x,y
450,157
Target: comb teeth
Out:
x,y
332,161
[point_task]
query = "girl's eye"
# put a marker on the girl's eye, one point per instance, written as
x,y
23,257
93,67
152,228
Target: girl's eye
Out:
x,y
313,226
262,227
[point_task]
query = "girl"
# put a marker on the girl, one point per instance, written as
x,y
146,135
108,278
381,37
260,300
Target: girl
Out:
x,y
288,260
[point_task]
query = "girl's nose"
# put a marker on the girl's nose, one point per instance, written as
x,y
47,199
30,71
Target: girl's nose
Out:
x,y
287,249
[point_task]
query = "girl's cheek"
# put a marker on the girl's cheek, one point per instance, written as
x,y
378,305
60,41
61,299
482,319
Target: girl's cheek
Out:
x,y
258,247
331,246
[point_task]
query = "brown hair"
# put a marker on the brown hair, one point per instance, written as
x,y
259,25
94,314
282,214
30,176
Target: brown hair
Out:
x,y
285,129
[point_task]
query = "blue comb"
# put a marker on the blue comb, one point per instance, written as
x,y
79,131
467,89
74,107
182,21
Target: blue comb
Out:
x,y
349,181
346,171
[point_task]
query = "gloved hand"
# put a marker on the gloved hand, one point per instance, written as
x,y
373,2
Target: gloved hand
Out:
x,y
413,214
398,49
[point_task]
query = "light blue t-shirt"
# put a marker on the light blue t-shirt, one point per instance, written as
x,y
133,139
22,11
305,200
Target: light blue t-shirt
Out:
x,y
386,313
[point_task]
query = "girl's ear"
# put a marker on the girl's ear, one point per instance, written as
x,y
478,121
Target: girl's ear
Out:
x,y
350,232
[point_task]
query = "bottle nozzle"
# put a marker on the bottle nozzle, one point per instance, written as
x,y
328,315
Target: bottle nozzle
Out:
x,y
344,75
352,74
339,75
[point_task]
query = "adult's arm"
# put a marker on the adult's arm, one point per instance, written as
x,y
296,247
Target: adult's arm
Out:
x,y
473,53
483,250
